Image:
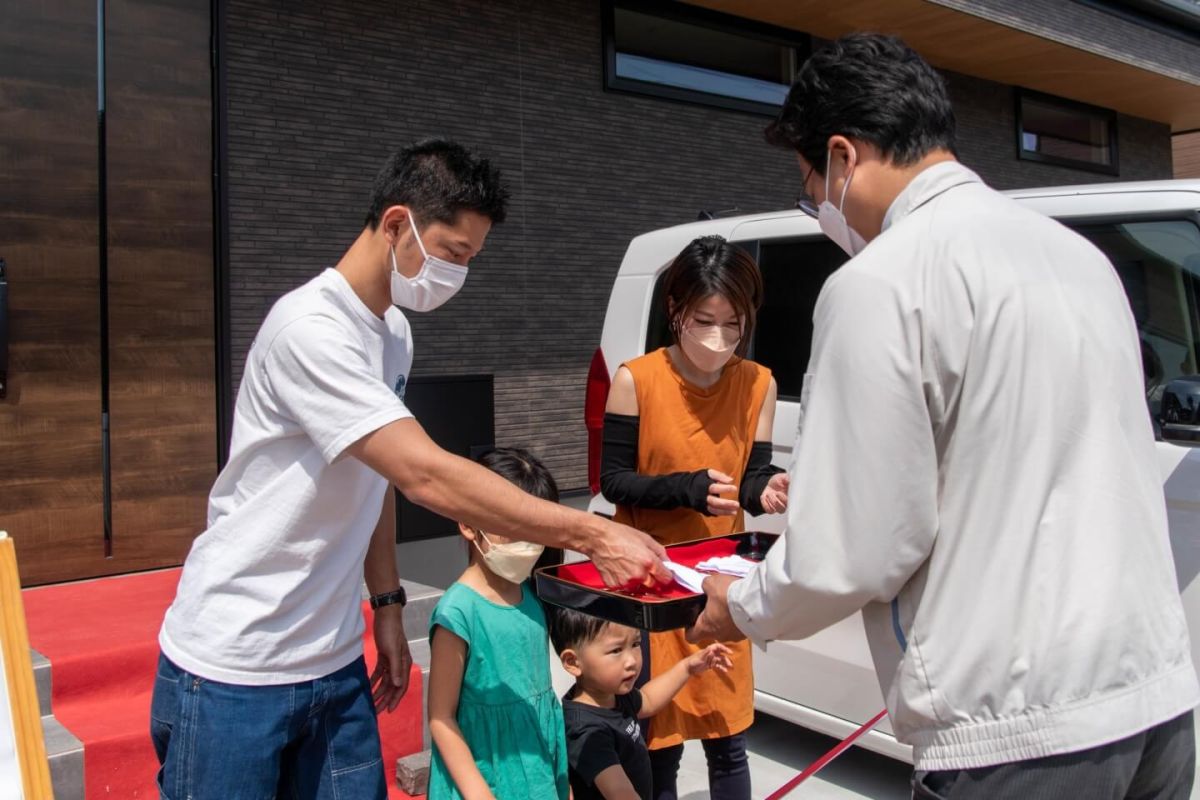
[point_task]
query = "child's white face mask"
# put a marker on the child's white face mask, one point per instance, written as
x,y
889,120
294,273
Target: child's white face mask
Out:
x,y
513,561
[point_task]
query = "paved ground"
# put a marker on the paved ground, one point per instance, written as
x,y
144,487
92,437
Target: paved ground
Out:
x,y
780,750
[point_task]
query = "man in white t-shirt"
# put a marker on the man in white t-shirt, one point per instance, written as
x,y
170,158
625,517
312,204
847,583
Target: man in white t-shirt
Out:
x,y
262,690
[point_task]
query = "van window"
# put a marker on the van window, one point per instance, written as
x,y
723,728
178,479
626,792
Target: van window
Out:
x,y
793,273
1159,265
794,270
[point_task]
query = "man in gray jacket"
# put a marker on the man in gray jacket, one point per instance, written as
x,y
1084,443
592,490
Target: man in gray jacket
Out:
x,y
1006,541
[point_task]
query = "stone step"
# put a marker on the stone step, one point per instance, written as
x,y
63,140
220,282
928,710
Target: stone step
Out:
x,y
63,750
65,754
412,773
42,680
421,601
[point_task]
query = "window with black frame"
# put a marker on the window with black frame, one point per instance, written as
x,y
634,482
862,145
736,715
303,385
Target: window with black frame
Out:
x,y
1063,132
695,55
1158,262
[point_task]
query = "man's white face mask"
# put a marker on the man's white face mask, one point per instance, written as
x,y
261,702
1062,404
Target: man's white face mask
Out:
x,y
833,222
437,282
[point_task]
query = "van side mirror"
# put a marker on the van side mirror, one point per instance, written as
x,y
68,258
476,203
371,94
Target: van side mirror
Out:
x,y
1179,412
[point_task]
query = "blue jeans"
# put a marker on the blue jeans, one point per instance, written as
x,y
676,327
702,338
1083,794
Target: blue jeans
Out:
x,y
313,740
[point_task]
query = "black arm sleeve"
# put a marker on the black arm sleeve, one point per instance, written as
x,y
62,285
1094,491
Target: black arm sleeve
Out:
x,y
759,471
621,484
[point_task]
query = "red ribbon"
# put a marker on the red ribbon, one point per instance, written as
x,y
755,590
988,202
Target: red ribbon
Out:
x,y
820,763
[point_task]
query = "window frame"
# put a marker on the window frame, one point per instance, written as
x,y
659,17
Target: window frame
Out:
x,y
1107,114
1119,218
800,42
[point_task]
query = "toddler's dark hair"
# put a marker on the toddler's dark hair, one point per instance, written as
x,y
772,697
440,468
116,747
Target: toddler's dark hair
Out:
x,y
570,630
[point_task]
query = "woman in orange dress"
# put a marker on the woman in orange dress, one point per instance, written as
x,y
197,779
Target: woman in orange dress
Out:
x,y
687,447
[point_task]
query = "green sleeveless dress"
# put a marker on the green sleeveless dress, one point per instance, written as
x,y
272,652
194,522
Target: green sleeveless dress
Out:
x,y
507,708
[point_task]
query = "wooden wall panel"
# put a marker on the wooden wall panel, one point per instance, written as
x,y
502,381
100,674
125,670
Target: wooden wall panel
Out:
x,y
160,262
1186,151
969,44
51,498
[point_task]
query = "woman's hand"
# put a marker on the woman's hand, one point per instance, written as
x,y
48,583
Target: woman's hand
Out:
x,y
721,484
775,497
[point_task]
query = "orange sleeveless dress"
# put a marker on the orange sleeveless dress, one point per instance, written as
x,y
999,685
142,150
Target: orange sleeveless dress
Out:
x,y
684,428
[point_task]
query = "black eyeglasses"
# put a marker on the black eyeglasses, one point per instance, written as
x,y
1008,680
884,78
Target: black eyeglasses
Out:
x,y
804,201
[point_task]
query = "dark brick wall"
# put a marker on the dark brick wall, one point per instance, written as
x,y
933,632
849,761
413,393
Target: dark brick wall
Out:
x,y
1092,29
987,141
319,93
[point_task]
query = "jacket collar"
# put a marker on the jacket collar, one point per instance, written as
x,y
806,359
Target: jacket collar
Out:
x,y
927,185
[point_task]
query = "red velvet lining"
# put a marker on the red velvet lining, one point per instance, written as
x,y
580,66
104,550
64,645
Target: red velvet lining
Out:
x,y
690,554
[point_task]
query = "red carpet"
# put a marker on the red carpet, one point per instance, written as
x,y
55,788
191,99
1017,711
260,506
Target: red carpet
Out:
x,y
101,637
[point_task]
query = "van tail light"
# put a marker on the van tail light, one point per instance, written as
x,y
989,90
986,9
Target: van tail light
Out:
x,y
593,415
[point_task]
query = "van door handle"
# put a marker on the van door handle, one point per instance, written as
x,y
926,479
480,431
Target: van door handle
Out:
x,y
3,329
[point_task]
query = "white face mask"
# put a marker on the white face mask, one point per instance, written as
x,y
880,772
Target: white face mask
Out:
x,y
513,561
833,221
709,347
437,282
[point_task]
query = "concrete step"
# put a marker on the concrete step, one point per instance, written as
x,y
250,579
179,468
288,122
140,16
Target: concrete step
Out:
x,y
65,754
41,679
63,750
421,601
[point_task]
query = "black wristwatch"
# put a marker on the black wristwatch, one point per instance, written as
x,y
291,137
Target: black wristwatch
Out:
x,y
389,598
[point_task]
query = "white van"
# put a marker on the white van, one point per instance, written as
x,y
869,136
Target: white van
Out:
x,y
1150,231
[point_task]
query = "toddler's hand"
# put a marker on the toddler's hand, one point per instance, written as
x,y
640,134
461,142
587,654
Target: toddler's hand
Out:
x,y
715,656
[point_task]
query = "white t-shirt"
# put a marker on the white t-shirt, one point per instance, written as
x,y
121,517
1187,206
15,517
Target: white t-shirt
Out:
x,y
270,593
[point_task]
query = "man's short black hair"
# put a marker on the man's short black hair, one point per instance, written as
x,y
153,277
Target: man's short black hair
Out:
x,y
437,179
571,630
870,87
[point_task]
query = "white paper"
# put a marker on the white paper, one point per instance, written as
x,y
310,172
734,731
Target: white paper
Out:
x,y
737,566
687,577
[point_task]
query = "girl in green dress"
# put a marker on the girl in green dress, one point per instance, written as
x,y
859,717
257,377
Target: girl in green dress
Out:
x,y
496,724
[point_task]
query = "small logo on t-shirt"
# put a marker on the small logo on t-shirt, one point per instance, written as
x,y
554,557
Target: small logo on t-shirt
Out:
x,y
634,730
401,385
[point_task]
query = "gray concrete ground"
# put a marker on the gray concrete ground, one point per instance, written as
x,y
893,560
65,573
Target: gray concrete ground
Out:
x,y
780,750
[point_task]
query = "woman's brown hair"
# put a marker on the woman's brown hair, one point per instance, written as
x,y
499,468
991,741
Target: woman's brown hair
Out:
x,y
707,266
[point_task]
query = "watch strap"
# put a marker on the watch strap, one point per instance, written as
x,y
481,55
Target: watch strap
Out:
x,y
389,598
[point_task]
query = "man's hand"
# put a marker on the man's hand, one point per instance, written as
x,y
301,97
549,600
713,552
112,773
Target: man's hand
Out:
x,y
715,623
626,557
774,497
719,506
389,681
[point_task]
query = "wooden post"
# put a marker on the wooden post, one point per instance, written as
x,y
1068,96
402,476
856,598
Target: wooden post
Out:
x,y
18,677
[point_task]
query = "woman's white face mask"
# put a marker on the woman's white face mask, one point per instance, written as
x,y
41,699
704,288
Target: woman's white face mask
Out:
x,y
707,345
512,561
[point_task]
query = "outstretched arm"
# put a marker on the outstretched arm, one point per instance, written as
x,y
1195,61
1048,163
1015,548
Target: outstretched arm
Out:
x,y
656,694
462,490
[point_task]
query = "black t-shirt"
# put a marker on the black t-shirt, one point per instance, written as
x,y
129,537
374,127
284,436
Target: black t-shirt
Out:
x,y
598,738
